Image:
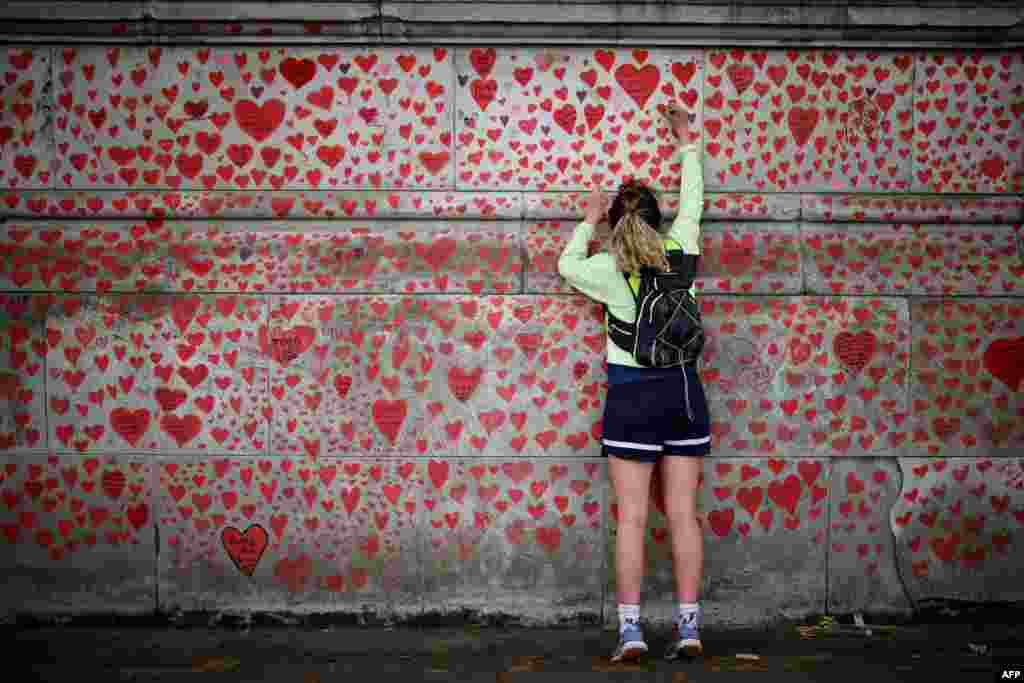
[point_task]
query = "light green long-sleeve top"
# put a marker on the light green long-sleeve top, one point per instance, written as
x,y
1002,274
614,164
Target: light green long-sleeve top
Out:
x,y
598,276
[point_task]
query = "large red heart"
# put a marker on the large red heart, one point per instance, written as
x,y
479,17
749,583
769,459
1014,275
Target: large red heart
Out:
x,y
245,548
463,383
389,416
130,424
854,350
437,252
286,344
181,429
259,122
638,83
785,494
1004,358
802,123
298,72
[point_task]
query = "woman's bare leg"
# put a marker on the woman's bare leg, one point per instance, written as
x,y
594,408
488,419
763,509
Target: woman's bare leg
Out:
x,y
679,476
632,482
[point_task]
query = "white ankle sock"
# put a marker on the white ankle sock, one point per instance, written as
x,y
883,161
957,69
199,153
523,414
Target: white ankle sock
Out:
x,y
628,614
688,613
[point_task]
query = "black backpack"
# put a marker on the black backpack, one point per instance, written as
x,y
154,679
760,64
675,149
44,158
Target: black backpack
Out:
x,y
668,330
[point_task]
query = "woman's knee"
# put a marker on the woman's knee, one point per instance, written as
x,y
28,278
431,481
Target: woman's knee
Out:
x,y
681,510
632,516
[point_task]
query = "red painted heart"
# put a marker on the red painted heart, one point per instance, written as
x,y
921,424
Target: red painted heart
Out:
x,y
286,344
259,121
854,350
1004,358
245,548
638,83
130,424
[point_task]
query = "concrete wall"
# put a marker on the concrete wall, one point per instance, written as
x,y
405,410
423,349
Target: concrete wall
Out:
x,y
283,327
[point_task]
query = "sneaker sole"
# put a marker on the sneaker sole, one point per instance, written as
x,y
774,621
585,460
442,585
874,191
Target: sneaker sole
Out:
x,y
631,653
690,649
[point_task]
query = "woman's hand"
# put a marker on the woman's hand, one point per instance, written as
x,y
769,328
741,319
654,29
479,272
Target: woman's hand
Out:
x,y
679,120
595,207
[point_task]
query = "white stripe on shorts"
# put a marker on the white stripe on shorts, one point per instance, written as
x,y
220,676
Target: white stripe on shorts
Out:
x,y
689,442
630,444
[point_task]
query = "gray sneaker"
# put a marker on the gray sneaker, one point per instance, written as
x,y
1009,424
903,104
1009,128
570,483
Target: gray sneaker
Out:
x,y
685,642
631,644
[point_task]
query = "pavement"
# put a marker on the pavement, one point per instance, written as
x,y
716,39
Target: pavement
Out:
x,y
301,650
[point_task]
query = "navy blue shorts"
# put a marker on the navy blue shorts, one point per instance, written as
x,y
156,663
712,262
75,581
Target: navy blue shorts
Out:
x,y
650,412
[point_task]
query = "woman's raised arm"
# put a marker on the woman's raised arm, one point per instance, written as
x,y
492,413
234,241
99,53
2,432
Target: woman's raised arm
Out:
x,y
686,226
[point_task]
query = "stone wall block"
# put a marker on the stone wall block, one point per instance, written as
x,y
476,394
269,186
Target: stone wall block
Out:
x,y
737,256
965,385
23,372
910,208
157,373
447,376
968,121
291,533
825,375
862,564
912,259
958,527
808,120
514,536
569,118
241,204
78,534
27,119
244,118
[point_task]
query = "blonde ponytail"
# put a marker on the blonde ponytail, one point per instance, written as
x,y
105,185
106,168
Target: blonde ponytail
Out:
x,y
634,242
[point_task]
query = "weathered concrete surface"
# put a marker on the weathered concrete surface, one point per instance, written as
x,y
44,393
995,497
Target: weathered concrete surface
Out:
x,y
765,530
966,378
739,256
397,537
808,120
958,527
157,373
263,256
911,208
290,533
27,119
716,22
972,102
912,259
231,133
181,294
23,372
863,574
78,535
523,537
587,134
826,376
226,204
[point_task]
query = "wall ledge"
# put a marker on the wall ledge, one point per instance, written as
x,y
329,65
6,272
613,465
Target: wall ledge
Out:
x,y
897,23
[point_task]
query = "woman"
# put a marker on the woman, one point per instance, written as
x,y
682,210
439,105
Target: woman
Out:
x,y
653,418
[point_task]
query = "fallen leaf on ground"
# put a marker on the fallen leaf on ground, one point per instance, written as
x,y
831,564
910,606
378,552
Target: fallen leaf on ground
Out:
x,y
215,664
734,664
527,663
604,665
